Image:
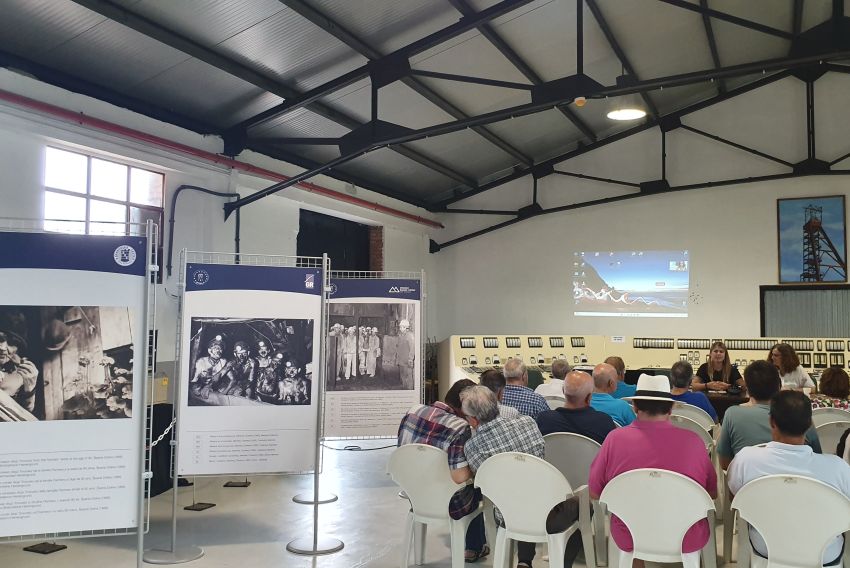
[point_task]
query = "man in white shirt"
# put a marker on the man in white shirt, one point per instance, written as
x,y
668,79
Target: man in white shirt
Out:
x,y
555,386
790,418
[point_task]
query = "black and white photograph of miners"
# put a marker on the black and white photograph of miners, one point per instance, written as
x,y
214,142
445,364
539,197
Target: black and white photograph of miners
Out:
x,y
245,362
371,347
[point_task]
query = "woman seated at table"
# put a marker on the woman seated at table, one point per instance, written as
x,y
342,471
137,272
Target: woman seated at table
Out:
x,y
834,388
718,374
792,374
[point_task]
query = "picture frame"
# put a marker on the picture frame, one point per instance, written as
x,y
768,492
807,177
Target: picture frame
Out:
x,y
811,240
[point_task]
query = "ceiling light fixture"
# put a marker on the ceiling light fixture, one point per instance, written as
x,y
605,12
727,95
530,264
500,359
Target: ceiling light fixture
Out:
x,y
626,107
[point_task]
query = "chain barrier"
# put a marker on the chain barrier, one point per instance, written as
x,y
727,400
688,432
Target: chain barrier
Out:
x,y
164,434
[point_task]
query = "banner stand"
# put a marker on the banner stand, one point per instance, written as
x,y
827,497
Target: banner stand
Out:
x,y
176,554
318,545
196,505
245,483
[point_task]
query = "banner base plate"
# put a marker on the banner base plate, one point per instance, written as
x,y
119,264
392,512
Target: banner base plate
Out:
x,y
180,555
45,548
199,506
324,545
308,498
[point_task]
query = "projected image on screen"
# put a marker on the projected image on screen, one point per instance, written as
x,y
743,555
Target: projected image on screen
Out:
x,y
631,283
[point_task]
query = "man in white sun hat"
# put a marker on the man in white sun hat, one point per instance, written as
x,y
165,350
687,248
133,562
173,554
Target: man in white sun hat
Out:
x,y
652,441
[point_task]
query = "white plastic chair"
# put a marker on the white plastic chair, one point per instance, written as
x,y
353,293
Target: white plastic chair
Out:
x,y
572,454
525,511
422,472
824,415
555,402
658,507
798,532
695,413
830,434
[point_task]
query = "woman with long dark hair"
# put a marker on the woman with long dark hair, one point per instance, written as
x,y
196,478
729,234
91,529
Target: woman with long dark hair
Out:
x,y
718,374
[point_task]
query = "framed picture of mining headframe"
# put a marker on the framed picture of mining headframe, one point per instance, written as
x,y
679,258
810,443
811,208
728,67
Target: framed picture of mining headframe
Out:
x,y
812,239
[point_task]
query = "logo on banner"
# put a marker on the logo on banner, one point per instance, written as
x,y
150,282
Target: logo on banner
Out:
x,y
402,290
395,290
310,281
333,288
125,255
200,277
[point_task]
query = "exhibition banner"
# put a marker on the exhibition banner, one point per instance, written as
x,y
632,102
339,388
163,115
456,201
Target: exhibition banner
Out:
x,y
72,344
249,353
373,366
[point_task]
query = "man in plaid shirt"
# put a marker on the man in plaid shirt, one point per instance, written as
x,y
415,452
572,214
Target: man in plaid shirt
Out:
x,y
441,425
517,394
496,435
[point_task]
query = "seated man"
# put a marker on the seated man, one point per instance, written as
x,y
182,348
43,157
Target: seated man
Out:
x,y
495,381
749,424
495,435
576,416
623,390
652,441
604,383
787,453
681,375
555,386
517,394
442,425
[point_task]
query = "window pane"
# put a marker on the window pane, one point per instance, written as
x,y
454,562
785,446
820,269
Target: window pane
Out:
x,y
108,179
103,211
60,206
142,215
65,170
146,187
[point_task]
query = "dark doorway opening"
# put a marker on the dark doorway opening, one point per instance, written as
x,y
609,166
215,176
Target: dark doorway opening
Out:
x,y
345,242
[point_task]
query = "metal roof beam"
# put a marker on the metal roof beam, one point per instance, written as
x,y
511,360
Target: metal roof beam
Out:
x,y
749,24
324,22
423,44
211,57
513,57
712,45
614,138
797,18
618,51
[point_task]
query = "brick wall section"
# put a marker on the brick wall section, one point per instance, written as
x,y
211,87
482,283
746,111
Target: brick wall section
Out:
x,y
376,248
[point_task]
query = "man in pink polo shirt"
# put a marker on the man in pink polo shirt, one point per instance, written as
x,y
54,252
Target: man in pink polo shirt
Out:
x,y
652,441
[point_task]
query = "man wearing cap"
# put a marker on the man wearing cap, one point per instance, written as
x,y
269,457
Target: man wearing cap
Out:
x,y
652,441
208,370
406,354
788,454
374,351
242,369
363,348
605,383
264,355
555,386
269,380
349,353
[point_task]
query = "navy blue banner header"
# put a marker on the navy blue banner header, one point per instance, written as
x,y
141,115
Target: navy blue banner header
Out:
x,y
95,253
248,277
375,288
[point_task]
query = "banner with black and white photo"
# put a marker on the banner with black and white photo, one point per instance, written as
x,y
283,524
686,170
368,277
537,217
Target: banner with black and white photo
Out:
x,y
249,353
72,339
374,355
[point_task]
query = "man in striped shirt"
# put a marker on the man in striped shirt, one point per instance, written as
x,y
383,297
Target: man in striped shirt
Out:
x,y
442,425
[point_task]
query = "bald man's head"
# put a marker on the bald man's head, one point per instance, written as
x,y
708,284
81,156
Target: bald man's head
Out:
x,y
578,386
604,378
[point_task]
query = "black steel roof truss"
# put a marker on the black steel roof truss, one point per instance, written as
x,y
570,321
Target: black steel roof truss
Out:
x,y
743,22
211,57
737,145
618,51
712,44
524,110
513,57
423,44
797,17
474,80
338,31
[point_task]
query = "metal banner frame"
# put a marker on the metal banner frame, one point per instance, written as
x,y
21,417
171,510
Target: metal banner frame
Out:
x,y
151,231
423,309
316,544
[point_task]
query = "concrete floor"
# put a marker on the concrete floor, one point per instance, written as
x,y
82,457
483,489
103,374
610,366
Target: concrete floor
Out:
x,y
249,528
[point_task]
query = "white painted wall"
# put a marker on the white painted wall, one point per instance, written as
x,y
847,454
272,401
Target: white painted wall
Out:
x,y
269,226
516,279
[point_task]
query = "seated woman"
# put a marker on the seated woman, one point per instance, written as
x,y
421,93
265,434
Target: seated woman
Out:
x,y
792,374
718,374
834,387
